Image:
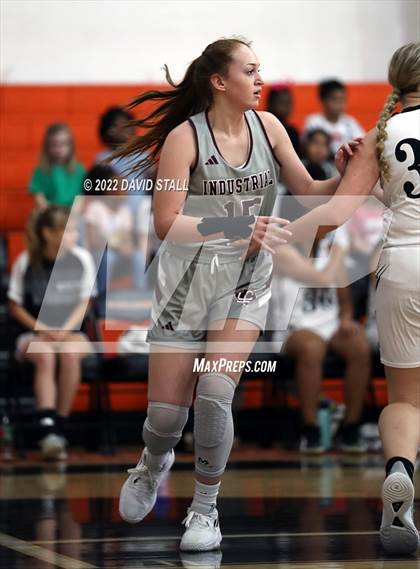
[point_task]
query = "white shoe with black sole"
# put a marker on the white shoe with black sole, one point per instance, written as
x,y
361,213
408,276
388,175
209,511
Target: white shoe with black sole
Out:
x,y
398,533
202,532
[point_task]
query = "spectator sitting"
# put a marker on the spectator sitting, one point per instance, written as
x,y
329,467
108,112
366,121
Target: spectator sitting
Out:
x,y
371,325
280,103
366,230
317,153
50,288
146,241
58,177
319,166
110,228
366,227
321,319
116,128
340,127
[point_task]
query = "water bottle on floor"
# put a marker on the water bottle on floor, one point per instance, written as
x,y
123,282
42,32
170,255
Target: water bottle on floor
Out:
x,y
324,422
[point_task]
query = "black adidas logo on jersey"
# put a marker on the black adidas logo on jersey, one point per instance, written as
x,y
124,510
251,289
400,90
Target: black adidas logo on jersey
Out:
x,y
168,326
212,161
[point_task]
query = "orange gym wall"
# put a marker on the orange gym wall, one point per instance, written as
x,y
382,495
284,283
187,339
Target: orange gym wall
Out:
x,y
25,111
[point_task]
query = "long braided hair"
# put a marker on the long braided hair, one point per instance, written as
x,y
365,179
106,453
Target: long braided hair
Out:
x,y
404,77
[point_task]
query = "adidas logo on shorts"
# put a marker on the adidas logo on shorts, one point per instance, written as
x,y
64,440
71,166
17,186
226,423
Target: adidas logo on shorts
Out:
x,y
212,161
168,326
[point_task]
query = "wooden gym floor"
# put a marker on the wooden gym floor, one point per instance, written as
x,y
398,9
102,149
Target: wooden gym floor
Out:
x,y
277,510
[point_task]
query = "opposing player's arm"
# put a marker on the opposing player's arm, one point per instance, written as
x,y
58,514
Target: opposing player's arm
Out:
x,y
293,172
361,175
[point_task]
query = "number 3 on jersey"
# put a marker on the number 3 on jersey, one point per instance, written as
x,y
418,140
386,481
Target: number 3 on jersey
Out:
x,y
401,156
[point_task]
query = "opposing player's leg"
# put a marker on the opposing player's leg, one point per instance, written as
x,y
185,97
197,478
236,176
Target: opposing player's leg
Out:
x,y
399,426
170,392
213,429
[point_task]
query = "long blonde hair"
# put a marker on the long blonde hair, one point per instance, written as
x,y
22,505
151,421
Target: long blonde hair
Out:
x,y
404,77
53,217
45,160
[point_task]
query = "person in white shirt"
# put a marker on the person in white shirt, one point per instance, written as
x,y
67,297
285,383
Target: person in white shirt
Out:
x,y
50,288
109,222
339,126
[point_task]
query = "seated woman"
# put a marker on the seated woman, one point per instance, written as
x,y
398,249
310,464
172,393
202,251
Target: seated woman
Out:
x,y
50,288
110,229
319,318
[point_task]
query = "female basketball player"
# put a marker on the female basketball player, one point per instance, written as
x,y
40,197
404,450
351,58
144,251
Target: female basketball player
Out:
x,y
209,139
391,152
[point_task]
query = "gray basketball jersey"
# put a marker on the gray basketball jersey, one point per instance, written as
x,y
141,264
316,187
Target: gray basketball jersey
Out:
x,y
217,189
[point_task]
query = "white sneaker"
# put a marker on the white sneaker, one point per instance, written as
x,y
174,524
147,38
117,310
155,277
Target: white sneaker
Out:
x,y
53,447
202,532
398,533
206,560
139,491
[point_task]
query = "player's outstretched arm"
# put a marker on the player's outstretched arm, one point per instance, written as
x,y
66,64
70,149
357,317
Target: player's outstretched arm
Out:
x,y
294,174
361,175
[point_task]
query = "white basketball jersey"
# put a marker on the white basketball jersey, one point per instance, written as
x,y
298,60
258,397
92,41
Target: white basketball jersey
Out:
x,y
402,191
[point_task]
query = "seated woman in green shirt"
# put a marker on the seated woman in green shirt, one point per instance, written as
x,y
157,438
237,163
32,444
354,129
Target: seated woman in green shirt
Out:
x,y
58,178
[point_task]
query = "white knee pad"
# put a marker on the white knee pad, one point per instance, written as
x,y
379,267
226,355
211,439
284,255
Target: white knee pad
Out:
x,y
213,423
163,426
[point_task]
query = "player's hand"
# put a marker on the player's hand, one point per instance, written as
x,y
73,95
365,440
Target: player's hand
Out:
x,y
343,154
266,235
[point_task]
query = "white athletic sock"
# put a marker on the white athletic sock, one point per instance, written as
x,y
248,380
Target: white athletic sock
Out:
x,y
205,497
155,461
